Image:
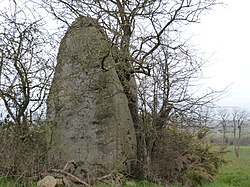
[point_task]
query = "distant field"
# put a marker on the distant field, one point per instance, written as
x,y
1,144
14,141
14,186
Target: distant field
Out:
x,y
217,138
235,174
228,134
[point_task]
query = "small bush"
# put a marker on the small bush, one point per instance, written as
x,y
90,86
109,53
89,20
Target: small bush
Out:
x,y
22,150
179,156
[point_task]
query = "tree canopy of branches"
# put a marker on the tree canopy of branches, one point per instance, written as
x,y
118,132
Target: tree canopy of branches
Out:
x,y
25,66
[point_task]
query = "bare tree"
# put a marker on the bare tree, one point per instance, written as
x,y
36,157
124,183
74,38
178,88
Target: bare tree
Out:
x,y
224,120
26,66
239,120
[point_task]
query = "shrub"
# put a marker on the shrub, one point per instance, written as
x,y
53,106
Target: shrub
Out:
x,y
22,149
180,156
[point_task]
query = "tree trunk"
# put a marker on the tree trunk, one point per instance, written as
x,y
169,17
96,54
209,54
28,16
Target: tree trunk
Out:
x,y
237,147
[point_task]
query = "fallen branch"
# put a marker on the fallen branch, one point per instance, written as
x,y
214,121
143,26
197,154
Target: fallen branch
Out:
x,y
69,162
72,177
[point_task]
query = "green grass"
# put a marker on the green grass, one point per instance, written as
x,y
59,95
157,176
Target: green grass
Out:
x,y
134,184
10,182
237,172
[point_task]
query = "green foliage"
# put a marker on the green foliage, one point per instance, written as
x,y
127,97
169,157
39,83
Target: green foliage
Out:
x,y
179,156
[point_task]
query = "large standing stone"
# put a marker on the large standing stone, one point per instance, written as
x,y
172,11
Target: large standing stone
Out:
x,y
86,104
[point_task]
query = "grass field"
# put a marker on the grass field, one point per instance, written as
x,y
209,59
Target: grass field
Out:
x,y
235,174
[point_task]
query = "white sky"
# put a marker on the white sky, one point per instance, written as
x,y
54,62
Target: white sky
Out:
x,y
225,33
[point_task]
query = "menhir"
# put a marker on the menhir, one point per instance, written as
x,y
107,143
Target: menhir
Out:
x,y
87,110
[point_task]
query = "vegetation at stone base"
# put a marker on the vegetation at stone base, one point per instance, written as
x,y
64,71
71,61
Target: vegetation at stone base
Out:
x,y
178,156
234,174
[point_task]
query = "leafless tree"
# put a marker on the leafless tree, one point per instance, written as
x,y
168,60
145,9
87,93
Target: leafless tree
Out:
x,y
224,116
239,120
25,65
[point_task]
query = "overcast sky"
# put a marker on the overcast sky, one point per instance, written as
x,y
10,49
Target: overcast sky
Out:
x,y
225,33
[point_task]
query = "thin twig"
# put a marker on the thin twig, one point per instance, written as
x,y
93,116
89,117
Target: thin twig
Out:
x,y
104,177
